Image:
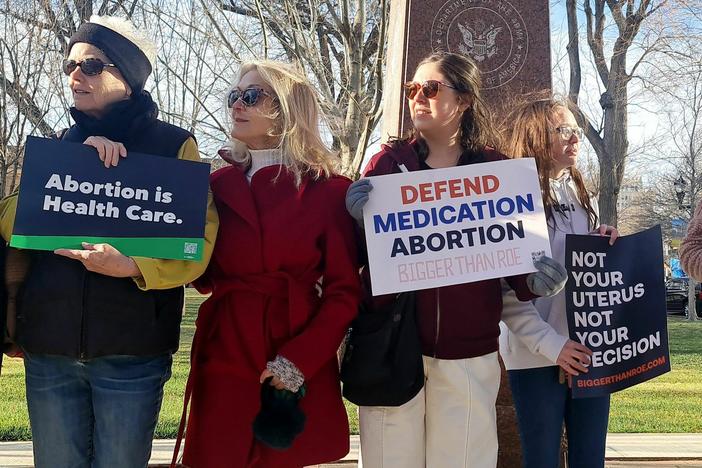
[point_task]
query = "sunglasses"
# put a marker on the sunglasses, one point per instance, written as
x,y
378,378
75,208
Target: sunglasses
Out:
x,y
249,97
568,132
430,88
89,66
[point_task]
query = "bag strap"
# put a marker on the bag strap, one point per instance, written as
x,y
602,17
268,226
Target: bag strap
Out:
x,y
183,420
186,399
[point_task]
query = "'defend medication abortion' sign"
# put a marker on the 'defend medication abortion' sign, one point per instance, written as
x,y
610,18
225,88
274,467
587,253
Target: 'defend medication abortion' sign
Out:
x,y
439,227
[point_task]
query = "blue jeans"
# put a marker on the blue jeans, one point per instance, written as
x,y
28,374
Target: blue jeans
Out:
x,y
98,413
543,405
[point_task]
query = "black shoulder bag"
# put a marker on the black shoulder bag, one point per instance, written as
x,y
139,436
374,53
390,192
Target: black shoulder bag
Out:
x,y
382,364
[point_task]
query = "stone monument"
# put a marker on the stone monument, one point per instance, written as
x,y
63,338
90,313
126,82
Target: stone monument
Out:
x,y
509,40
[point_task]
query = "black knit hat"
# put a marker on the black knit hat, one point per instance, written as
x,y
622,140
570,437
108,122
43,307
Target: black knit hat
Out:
x,y
127,56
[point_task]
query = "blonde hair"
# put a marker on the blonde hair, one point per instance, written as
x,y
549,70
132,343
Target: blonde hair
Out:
x,y
297,117
126,28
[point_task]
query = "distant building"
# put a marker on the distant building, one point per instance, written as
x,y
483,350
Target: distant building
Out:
x,y
629,193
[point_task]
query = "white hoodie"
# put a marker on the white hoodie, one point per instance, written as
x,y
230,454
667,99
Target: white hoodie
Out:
x,y
541,350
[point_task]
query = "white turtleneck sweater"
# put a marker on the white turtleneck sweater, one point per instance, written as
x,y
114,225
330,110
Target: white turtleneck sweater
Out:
x,y
263,158
282,368
541,350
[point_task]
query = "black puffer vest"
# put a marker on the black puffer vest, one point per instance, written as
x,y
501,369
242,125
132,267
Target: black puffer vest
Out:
x,y
65,309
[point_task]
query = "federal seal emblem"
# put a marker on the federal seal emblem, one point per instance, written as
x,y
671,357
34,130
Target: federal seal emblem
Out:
x,y
491,32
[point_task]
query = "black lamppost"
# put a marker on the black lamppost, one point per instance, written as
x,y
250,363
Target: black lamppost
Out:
x,y
679,186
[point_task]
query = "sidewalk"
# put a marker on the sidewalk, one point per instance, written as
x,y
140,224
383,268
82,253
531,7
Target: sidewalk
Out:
x,y
623,450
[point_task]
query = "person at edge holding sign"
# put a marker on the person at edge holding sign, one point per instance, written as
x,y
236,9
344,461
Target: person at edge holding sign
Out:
x,y
451,422
547,130
97,328
284,283
691,246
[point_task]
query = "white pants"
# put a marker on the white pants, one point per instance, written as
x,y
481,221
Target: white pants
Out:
x,y
451,423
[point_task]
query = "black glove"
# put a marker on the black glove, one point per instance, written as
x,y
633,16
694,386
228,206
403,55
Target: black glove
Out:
x,y
280,419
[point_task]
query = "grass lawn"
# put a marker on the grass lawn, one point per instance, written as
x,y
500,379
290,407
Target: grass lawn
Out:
x,y
670,403
673,401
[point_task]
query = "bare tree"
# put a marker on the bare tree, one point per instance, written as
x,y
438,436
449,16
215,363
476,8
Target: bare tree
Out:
x,y
194,68
681,96
339,43
25,94
617,33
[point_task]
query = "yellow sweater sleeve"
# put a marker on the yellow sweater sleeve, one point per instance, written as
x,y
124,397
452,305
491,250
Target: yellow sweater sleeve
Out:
x,y
8,207
163,274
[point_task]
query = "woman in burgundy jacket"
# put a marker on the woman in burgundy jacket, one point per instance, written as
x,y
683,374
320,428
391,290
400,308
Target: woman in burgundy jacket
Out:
x,y
451,422
283,278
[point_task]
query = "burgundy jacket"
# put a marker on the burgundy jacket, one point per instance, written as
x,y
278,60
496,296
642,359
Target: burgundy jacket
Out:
x,y
459,321
275,241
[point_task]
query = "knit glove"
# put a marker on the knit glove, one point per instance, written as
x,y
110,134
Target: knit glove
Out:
x,y
550,278
357,197
287,372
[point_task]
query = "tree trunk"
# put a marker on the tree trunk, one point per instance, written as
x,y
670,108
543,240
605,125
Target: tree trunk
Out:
x,y
609,190
612,154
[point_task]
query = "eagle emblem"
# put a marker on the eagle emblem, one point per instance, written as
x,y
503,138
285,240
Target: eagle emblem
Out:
x,y
479,46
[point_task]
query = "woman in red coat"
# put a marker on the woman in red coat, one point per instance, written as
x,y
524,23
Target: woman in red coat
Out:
x,y
283,278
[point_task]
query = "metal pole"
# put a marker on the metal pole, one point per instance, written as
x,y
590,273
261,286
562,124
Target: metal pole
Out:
x,y
691,300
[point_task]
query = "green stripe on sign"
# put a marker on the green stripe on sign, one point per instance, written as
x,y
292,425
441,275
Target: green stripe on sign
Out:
x,y
176,248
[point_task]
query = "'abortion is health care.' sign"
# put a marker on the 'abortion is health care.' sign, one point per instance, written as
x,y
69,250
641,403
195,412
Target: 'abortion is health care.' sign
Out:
x,y
615,298
147,206
433,228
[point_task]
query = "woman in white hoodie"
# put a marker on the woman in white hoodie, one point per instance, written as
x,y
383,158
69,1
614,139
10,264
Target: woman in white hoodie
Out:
x,y
547,130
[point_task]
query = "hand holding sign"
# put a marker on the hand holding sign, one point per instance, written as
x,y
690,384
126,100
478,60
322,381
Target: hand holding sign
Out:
x,y
605,230
550,278
109,151
356,198
103,259
574,358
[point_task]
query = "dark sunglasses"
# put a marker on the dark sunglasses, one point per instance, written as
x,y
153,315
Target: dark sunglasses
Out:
x,y
430,88
89,66
249,97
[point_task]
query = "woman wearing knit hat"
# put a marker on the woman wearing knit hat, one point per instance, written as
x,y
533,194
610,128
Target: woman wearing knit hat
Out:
x,y
97,328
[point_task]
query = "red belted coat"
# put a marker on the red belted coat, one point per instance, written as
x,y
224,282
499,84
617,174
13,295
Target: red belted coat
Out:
x,y
276,243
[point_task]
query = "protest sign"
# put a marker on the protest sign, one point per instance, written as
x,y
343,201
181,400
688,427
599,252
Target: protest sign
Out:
x,y
427,229
147,206
615,299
